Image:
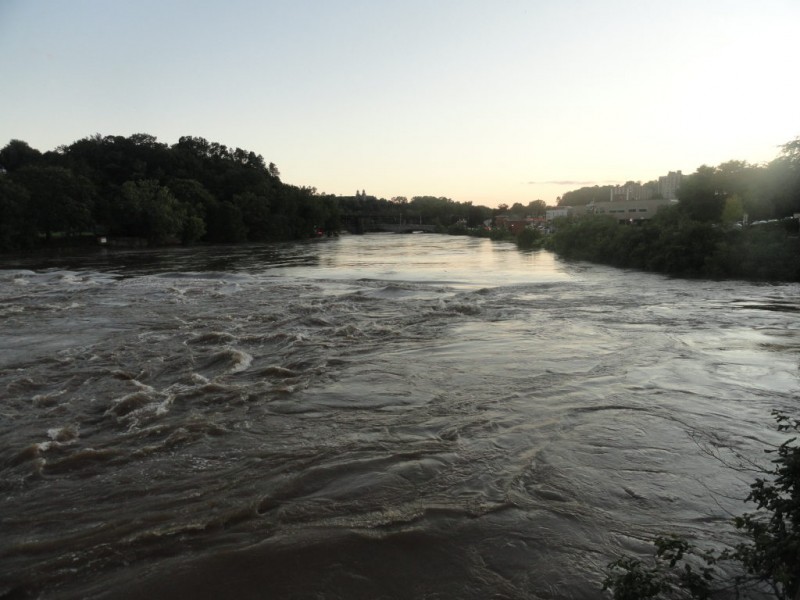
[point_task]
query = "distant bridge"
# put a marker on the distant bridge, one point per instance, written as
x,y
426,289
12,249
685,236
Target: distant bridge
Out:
x,y
370,223
404,227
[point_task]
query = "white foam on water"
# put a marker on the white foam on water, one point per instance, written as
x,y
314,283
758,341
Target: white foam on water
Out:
x,y
163,407
241,360
372,405
11,309
67,434
143,386
43,446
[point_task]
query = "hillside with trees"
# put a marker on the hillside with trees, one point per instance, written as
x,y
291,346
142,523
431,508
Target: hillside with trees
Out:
x,y
138,188
735,220
585,195
139,191
731,221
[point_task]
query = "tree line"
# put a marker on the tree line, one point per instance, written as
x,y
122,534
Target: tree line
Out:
x,y
199,191
192,191
136,187
444,213
731,221
766,191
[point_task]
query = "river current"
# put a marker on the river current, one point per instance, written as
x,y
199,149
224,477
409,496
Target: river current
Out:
x,y
378,416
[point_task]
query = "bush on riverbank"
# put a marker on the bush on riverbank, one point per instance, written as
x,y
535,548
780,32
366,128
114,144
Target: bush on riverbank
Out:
x,y
706,233
528,239
672,243
496,234
768,560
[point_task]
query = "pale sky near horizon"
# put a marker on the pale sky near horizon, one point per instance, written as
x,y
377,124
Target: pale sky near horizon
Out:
x,y
489,102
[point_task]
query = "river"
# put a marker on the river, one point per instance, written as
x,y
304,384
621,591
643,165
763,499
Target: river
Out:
x,y
377,416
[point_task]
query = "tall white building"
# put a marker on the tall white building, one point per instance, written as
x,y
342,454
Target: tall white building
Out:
x,y
668,184
666,187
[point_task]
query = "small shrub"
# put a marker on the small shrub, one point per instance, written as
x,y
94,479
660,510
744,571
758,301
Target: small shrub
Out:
x,y
529,238
769,559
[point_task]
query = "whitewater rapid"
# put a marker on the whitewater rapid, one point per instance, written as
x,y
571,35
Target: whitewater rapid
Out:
x,y
370,416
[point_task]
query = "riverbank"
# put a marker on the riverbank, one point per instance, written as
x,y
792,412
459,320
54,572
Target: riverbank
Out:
x,y
671,244
675,245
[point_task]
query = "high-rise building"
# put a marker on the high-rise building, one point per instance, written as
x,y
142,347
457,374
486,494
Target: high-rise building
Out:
x,y
668,184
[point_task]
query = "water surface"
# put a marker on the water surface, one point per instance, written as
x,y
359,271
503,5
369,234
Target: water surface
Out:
x,y
396,416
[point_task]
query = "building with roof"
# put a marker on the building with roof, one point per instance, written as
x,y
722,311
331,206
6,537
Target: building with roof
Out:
x,y
629,210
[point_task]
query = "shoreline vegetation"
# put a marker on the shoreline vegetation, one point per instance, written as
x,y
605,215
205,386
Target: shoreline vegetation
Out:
x,y
762,564
734,221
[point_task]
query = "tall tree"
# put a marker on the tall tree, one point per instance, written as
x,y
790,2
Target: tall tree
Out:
x,y
60,202
537,208
17,154
700,195
17,229
153,212
255,215
785,180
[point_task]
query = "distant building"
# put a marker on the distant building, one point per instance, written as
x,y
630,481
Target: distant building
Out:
x,y
512,223
628,210
633,191
515,223
665,187
555,213
668,184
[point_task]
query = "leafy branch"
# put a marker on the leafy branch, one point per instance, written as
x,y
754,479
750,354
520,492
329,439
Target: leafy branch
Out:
x,y
768,562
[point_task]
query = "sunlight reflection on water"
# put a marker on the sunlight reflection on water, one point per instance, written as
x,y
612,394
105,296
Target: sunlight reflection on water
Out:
x,y
356,416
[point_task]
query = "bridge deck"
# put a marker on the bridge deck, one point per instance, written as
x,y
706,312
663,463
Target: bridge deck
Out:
x,y
403,228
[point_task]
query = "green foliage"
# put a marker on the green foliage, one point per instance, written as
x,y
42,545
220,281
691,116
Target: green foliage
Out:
x,y
764,191
436,211
768,560
701,196
498,234
733,211
18,154
673,243
17,228
195,190
585,195
58,200
226,224
765,252
773,553
255,214
445,214
784,181
209,192
589,238
679,570
459,229
529,239
150,210
536,208
477,215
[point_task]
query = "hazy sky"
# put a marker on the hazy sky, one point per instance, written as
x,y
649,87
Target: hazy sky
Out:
x,y
483,101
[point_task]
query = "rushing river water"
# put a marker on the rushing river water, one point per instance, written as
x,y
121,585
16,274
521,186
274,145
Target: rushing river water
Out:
x,y
381,416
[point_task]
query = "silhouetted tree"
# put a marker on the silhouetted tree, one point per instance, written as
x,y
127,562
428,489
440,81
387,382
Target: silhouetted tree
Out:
x,y
17,154
59,202
700,195
17,228
537,208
